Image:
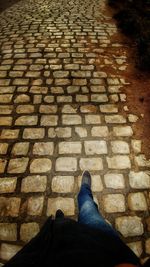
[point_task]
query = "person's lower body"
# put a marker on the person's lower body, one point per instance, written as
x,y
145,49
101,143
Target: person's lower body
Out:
x,y
88,211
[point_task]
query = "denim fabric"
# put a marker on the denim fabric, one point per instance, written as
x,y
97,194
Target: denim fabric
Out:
x,y
89,214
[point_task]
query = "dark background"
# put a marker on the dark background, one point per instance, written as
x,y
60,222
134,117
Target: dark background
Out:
x,y
6,3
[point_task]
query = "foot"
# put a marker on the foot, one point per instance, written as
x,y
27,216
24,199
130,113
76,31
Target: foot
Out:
x,y
59,214
86,178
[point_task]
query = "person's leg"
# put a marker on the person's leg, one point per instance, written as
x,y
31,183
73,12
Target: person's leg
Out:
x,y
88,211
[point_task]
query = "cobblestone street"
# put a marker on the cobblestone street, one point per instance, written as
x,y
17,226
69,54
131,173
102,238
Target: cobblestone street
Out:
x,y
62,113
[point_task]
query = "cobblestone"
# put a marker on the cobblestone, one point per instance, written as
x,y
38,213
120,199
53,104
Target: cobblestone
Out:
x,y
65,204
136,247
71,119
95,147
46,148
17,165
118,162
129,226
9,206
28,231
35,206
9,134
62,111
114,180
70,148
40,165
34,183
139,180
20,149
92,164
8,251
63,184
8,185
66,164
33,133
137,201
120,147
8,231
114,203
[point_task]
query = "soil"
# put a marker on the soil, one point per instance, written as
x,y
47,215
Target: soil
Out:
x,y
138,92
4,4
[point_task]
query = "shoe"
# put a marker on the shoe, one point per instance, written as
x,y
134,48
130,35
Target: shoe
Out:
x,y
86,178
59,214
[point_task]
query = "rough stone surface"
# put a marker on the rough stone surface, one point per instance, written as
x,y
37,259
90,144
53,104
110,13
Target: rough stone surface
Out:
x,y
8,185
95,147
62,184
17,165
92,164
43,148
129,226
147,246
120,147
114,203
66,164
137,201
9,206
8,231
70,148
136,247
61,113
40,165
7,251
65,204
20,149
114,180
34,183
35,206
118,162
28,231
139,180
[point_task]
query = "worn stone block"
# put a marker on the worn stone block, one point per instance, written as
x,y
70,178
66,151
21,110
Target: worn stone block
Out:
x,y
8,231
34,183
33,133
49,120
7,251
114,180
70,147
137,201
63,184
65,204
118,162
139,180
91,164
28,231
129,226
114,203
40,165
35,206
43,148
9,206
95,147
66,164
120,147
26,120
17,165
20,148
8,185
71,119
92,119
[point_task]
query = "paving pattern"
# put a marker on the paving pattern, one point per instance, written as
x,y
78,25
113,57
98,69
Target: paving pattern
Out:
x,y
61,113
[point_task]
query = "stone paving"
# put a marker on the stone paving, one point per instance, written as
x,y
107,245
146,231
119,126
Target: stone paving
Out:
x,y
60,113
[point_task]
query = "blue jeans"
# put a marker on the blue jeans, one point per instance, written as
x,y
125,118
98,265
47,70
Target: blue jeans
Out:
x,y
89,214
